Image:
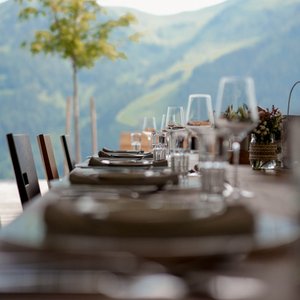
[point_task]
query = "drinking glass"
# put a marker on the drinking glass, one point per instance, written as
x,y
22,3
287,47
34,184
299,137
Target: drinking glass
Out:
x,y
179,156
159,141
149,127
236,116
210,146
174,121
199,115
159,146
175,117
199,110
177,140
163,123
136,140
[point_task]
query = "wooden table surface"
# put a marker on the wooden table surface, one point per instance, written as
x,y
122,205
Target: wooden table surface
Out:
x,y
271,274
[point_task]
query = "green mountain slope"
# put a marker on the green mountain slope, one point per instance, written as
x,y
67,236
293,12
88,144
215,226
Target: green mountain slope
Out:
x,y
257,39
178,55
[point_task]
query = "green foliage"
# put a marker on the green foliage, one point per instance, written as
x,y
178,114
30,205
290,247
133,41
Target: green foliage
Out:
x,y
74,32
241,114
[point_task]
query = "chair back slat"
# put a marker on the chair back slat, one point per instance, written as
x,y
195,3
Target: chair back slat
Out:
x,y
24,166
47,156
66,149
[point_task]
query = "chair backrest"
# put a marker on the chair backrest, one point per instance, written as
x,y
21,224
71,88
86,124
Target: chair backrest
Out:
x,y
48,158
66,149
24,167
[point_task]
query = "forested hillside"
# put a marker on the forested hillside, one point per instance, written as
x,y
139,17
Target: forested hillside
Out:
x,y
176,56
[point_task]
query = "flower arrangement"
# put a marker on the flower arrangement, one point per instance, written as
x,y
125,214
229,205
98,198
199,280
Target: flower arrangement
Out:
x,y
269,126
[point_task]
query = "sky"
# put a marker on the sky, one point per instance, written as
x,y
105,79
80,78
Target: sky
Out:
x,y
159,7
162,7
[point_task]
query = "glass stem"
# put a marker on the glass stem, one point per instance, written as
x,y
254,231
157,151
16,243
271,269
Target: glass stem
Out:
x,y
236,157
150,143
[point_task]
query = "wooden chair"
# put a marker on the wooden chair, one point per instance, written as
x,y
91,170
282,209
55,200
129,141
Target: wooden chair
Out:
x,y
66,149
48,158
24,167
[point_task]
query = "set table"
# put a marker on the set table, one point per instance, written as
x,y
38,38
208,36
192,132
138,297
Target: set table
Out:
x,y
265,266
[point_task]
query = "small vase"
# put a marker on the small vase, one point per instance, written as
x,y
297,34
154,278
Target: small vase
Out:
x,y
263,156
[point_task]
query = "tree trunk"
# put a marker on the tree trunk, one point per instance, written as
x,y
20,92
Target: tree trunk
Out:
x,y
68,116
68,127
93,126
76,115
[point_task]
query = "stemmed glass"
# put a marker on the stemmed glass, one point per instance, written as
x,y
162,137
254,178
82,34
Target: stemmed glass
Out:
x,y
136,140
199,113
236,115
149,127
175,117
174,121
163,123
175,126
210,147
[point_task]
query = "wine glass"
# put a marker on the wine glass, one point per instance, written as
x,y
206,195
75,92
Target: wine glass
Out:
x,y
210,147
177,141
236,115
136,140
149,127
199,114
163,123
174,117
174,121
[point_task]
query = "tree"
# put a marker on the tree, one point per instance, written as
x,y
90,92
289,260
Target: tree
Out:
x,y
76,34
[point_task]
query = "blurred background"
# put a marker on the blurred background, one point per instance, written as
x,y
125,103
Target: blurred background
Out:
x,y
177,55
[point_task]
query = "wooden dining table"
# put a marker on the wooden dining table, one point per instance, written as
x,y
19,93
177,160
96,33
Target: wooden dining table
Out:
x,y
32,266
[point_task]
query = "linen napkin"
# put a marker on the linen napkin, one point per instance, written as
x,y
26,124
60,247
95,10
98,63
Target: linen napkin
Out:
x,y
112,161
102,153
107,150
138,219
96,177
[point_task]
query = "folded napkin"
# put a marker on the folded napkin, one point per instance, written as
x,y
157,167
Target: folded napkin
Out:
x,y
94,176
102,153
130,162
138,219
95,161
122,151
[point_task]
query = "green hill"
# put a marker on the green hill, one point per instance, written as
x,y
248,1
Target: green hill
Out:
x,y
178,55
